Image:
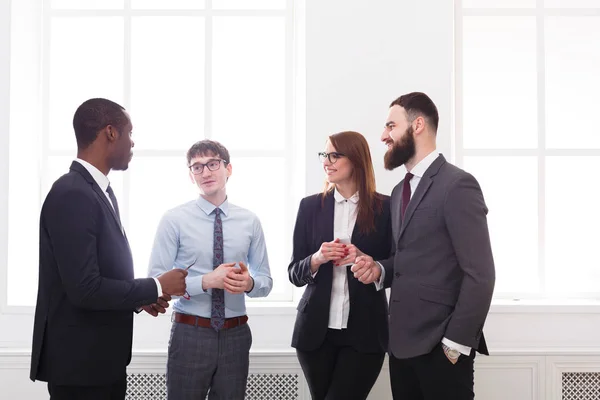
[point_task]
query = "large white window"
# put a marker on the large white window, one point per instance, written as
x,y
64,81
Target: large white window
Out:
x,y
185,70
528,92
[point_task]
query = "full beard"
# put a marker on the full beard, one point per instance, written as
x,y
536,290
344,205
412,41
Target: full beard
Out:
x,y
401,152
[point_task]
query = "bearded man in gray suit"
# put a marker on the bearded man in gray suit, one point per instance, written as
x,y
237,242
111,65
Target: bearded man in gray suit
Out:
x,y
442,270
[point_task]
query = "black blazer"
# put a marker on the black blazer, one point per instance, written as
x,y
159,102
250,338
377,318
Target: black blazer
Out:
x,y
83,325
368,318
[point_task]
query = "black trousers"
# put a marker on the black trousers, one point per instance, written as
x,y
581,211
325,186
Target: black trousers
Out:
x,y
432,377
116,391
335,371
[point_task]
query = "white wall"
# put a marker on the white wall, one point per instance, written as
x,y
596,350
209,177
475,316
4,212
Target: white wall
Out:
x,y
360,56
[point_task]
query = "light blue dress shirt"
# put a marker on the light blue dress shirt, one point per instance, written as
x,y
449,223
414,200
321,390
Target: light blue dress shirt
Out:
x,y
185,235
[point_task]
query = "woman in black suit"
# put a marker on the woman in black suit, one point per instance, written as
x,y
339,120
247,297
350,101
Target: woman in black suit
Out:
x,y
341,330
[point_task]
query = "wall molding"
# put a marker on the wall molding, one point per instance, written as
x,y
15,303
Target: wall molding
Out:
x,y
534,364
543,372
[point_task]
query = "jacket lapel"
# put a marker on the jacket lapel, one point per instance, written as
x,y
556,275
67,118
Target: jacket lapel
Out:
x,y
325,233
422,188
75,166
325,224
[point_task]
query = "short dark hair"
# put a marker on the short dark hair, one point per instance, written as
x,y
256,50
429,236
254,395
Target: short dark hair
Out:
x,y
94,115
418,103
206,147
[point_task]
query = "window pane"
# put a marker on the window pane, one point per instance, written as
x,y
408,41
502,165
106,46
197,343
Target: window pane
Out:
x,y
22,257
86,61
87,4
572,218
24,205
23,295
499,75
572,81
167,5
572,3
167,81
272,211
249,82
511,202
23,162
248,5
499,3
157,184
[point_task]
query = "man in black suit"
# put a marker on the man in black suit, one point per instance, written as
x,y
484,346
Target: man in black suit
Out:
x,y
87,293
442,274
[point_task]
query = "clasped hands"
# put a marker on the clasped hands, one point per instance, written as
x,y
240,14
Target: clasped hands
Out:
x,y
225,276
228,277
364,268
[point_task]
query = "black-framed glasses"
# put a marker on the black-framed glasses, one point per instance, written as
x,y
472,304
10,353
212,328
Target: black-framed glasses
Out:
x,y
212,165
332,157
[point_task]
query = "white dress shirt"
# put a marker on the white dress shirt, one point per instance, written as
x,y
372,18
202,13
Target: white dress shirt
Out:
x,y
418,171
344,219
103,182
345,212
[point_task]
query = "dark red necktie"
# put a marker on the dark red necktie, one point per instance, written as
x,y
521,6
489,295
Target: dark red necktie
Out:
x,y
406,192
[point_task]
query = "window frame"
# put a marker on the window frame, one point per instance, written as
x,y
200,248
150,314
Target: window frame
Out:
x,y
293,140
540,12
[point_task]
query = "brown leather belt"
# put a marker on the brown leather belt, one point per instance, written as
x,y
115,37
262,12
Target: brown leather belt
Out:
x,y
205,322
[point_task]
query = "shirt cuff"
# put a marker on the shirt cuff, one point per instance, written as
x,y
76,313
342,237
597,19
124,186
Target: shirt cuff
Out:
x,y
466,350
194,286
379,284
158,287
253,286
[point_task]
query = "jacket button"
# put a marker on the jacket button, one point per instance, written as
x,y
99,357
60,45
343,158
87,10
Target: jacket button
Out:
x,y
397,274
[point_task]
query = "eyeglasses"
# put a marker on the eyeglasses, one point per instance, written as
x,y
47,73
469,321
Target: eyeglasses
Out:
x,y
212,165
332,157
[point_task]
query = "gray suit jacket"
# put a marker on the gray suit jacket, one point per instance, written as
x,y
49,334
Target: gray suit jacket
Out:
x,y
442,273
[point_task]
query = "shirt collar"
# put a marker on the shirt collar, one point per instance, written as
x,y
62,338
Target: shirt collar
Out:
x,y
339,198
209,207
99,177
419,169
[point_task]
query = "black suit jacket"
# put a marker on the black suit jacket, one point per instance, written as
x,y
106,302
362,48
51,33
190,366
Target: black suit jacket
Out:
x,y
368,320
86,296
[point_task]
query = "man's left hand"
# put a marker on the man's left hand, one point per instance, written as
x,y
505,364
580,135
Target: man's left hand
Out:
x,y
238,280
451,354
159,307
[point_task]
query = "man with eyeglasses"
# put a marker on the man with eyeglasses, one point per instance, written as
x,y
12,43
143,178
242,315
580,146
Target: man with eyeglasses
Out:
x,y
210,338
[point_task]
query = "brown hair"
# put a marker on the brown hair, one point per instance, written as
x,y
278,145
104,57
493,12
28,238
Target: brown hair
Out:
x,y
355,147
208,147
